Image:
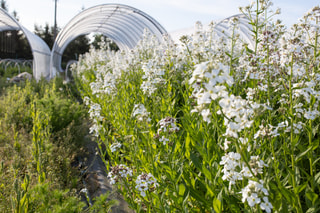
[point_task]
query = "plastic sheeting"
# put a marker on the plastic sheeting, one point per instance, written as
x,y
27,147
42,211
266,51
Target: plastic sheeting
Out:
x,y
40,50
222,28
244,29
121,23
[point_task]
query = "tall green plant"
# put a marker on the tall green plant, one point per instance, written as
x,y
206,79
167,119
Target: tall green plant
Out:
x,y
211,126
40,139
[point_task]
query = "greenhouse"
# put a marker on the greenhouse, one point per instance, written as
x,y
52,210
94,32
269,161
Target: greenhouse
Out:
x,y
121,23
40,50
222,29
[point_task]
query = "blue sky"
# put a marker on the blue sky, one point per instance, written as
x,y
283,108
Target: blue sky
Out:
x,y
171,14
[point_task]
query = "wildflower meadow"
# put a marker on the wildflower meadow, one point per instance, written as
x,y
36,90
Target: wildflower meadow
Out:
x,y
211,124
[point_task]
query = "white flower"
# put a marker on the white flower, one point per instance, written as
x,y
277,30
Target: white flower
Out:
x,y
266,205
146,182
164,140
246,172
119,172
253,193
253,199
84,190
140,112
168,124
115,146
231,162
206,115
311,114
95,128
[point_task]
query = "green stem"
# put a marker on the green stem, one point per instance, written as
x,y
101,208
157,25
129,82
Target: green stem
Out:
x,y
256,28
298,208
232,49
310,154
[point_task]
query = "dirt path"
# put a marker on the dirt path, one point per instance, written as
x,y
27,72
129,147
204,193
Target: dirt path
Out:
x,y
95,178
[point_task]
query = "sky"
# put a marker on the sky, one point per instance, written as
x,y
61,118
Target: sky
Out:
x,y
173,15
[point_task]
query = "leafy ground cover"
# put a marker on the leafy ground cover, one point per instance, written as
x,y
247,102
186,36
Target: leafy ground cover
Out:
x,y
42,133
212,125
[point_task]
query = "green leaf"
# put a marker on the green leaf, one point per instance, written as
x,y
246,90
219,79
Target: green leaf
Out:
x,y
187,153
182,189
206,172
300,188
196,161
209,190
302,154
195,194
277,196
311,210
313,197
287,194
217,205
317,178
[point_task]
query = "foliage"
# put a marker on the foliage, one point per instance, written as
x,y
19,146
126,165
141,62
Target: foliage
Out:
x,y
213,125
98,38
46,33
4,5
13,43
42,129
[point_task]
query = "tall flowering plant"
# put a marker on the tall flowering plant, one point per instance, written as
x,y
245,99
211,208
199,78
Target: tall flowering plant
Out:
x,y
211,125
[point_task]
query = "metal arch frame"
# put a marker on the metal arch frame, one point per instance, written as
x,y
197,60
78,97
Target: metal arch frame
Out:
x,y
122,23
245,29
5,63
40,50
221,29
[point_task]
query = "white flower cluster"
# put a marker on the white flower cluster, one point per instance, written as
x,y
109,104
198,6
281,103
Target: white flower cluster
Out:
x,y
152,76
255,194
207,81
168,124
115,146
95,111
237,114
267,131
309,93
146,182
234,169
119,172
95,115
284,126
167,127
140,112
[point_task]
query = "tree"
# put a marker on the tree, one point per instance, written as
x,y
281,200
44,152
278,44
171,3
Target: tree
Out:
x,y
98,38
4,5
46,33
77,47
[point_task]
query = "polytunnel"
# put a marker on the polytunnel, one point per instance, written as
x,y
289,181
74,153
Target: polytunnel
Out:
x,y
223,29
244,29
40,50
121,23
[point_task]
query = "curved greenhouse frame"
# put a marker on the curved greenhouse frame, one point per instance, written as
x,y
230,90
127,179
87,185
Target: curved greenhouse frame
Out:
x,y
222,29
40,50
121,23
